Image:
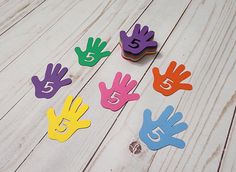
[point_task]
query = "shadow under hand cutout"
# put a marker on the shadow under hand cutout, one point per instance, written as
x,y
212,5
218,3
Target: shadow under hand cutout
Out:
x,y
158,134
118,95
171,81
62,127
93,53
52,81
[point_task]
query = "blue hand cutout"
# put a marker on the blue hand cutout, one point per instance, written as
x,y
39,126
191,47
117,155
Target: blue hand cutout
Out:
x,y
158,134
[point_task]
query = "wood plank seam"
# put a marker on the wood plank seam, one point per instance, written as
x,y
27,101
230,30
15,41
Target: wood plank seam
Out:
x,y
213,90
30,152
14,105
22,18
201,131
113,43
206,48
138,85
218,94
60,59
63,56
214,70
82,89
203,66
46,30
57,60
227,138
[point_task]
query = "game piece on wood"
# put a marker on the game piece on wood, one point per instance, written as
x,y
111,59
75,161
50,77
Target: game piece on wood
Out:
x,y
171,81
52,81
159,133
62,127
139,44
119,94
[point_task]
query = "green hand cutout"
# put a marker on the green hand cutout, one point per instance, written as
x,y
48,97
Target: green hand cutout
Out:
x,y
93,52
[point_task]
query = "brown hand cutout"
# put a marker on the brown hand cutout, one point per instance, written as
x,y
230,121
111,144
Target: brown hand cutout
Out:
x,y
170,82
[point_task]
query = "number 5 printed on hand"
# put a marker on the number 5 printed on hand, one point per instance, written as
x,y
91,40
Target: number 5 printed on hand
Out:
x,y
67,123
93,53
118,95
171,81
141,39
52,81
158,134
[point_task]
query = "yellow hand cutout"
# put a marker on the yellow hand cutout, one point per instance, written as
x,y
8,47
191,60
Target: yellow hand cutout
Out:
x,y
63,126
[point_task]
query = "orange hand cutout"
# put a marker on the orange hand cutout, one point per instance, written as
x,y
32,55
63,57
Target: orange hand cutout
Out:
x,y
170,82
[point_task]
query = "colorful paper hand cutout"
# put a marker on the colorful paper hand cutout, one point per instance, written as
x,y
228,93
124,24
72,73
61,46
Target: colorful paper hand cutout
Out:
x,y
158,134
138,44
52,81
62,127
93,52
171,81
118,95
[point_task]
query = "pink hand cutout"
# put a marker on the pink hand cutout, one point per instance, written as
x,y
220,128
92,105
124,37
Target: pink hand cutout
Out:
x,y
118,95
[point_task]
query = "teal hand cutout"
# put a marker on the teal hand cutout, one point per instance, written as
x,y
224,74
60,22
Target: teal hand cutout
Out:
x,y
93,53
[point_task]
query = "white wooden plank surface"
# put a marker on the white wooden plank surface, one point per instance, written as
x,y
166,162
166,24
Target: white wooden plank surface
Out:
x,y
77,151
41,45
117,14
229,155
12,12
25,33
204,41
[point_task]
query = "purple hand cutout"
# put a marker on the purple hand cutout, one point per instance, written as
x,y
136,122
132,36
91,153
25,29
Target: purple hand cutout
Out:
x,y
140,40
52,81
118,95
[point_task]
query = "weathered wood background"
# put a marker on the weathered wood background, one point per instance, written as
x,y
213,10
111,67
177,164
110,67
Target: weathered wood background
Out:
x,y
198,33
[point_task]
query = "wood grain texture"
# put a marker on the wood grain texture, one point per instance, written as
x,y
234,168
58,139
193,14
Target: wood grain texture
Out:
x,y
77,151
15,42
74,29
34,42
204,40
12,12
229,154
198,33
